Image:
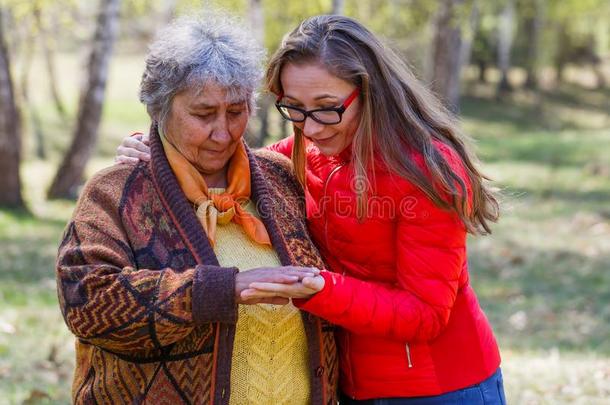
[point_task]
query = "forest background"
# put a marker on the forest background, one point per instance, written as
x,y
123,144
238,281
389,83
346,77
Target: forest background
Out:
x,y
529,80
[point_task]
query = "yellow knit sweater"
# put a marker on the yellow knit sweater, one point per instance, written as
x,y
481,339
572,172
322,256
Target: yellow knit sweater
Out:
x,y
270,358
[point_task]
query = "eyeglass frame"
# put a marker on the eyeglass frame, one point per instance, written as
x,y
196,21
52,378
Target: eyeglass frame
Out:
x,y
309,113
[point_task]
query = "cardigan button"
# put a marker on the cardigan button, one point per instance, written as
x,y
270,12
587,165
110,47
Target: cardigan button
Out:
x,y
320,371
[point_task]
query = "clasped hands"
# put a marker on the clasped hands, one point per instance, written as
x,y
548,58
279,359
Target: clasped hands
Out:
x,y
276,285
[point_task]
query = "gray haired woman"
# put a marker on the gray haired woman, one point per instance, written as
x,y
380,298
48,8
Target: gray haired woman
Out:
x,y
153,262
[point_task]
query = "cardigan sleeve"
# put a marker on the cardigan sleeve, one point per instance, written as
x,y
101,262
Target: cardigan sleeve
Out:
x,y
108,301
431,256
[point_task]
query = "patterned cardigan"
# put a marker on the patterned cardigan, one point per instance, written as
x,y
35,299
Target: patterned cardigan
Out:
x,y
139,285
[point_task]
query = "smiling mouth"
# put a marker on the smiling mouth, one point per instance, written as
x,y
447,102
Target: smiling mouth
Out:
x,y
325,140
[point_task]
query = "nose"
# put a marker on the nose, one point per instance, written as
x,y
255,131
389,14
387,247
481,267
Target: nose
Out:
x,y
221,133
311,128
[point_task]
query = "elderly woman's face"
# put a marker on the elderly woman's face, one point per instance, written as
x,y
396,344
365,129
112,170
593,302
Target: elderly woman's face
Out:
x,y
206,126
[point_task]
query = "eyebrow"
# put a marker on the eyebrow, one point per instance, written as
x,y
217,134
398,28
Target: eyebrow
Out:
x,y
204,106
323,96
320,97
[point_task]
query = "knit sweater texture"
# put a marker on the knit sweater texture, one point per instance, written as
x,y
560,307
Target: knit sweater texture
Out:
x,y
269,364
153,310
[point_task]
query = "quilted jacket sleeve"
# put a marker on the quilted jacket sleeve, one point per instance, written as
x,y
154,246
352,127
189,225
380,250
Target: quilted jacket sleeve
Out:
x,y
284,146
431,255
109,302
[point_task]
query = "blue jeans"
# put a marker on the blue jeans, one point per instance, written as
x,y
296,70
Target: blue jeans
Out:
x,y
488,392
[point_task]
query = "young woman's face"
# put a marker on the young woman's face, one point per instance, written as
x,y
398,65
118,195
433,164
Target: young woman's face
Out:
x,y
310,86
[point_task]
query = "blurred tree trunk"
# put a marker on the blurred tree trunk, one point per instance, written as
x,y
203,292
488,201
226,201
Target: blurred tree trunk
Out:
x,y
562,56
257,24
447,54
505,43
10,131
283,128
533,30
28,55
601,35
256,17
70,173
473,24
338,7
49,57
264,104
482,69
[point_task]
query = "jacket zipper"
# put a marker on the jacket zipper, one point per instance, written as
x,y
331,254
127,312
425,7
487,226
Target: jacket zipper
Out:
x,y
409,362
331,174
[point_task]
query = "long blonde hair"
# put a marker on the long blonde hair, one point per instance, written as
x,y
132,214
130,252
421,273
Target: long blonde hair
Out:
x,y
398,114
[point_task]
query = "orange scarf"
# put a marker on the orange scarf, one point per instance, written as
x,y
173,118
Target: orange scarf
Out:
x,y
220,208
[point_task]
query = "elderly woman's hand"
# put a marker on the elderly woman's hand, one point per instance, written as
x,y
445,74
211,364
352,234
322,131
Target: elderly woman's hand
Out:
x,y
307,287
133,149
270,276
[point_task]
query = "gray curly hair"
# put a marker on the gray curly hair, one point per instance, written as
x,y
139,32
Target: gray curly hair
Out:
x,y
194,51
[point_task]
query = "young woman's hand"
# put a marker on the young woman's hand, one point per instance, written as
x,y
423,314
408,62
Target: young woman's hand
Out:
x,y
133,149
307,287
272,276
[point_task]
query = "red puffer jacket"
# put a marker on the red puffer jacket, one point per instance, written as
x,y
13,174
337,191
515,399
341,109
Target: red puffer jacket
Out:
x,y
399,288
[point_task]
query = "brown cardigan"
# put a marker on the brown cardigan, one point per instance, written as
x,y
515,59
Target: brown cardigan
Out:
x,y
139,285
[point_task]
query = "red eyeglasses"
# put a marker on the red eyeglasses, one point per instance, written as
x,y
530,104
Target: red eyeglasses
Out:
x,y
325,116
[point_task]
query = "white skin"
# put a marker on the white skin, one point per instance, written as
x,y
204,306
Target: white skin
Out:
x,y
206,127
308,86
311,86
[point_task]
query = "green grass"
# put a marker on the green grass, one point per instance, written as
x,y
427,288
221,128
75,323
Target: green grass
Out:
x,y
542,277
35,346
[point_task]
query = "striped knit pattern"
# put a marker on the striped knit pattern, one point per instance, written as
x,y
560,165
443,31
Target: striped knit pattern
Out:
x,y
270,364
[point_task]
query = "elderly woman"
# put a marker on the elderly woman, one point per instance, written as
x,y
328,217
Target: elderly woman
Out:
x,y
156,255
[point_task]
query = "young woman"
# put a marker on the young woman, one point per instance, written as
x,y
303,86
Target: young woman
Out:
x,y
391,193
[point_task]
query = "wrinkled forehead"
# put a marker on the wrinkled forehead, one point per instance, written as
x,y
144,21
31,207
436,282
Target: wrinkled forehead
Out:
x,y
214,92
